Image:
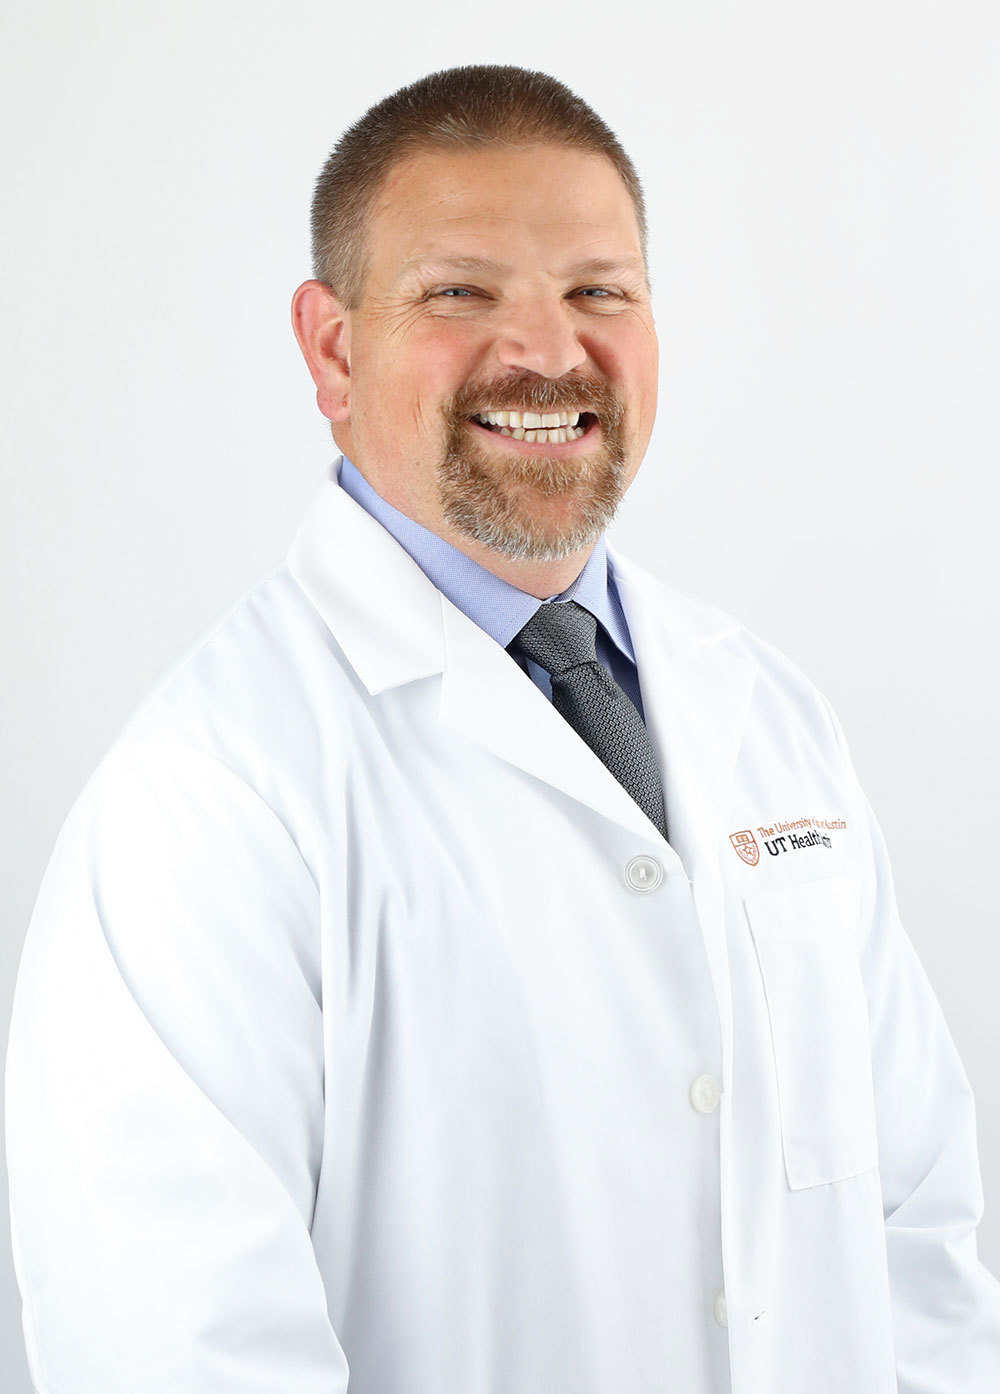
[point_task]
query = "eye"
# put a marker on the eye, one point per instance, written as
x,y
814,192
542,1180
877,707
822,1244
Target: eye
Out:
x,y
598,292
453,292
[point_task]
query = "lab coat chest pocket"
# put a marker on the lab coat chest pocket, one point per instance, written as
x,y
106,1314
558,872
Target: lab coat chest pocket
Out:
x,y
806,943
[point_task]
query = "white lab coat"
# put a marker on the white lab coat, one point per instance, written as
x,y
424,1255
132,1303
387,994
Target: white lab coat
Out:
x,y
367,1035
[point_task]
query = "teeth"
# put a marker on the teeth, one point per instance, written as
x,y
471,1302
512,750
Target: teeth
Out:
x,y
550,437
530,420
550,428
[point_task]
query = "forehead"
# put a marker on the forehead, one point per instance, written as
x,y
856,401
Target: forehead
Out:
x,y
546,202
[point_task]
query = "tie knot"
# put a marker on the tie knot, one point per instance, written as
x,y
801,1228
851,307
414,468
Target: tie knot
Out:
x,y
558,636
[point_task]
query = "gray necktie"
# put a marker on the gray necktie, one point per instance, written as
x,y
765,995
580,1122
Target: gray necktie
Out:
x,y
561,639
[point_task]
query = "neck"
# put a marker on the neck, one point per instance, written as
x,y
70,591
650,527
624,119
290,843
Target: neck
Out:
x,y
538,578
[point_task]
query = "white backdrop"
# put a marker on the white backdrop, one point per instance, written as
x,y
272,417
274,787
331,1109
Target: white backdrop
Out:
x,y
823,191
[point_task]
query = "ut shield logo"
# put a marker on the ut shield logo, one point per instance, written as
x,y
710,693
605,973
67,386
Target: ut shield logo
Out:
x,y
746,846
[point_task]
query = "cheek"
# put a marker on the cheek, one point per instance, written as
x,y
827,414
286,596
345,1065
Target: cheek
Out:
x,y
639,369
395,405
629,352
447,354
414,386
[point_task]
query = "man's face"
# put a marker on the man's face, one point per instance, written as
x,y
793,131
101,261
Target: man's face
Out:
x,y
503,281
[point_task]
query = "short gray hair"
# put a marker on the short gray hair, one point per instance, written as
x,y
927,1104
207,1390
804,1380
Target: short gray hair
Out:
x,y
476,106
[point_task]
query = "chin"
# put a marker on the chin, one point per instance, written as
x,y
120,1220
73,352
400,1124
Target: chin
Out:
x,y
502,523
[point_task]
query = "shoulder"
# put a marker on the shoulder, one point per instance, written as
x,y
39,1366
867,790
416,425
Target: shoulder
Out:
x,y
239,726
249,675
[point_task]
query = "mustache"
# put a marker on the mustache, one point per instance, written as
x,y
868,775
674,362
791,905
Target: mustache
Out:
x,y
528,392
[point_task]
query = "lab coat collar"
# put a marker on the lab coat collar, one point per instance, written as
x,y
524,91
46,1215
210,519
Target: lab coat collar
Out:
x,y
378,604
394,627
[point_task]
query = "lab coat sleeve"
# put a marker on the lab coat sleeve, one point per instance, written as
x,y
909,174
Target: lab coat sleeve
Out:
x,y
946,1305
165,1094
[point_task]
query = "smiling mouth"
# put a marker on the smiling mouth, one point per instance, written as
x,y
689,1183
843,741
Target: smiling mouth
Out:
x,y
542,428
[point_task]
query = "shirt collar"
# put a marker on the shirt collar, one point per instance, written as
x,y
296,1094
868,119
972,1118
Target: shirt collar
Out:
x,y
490,602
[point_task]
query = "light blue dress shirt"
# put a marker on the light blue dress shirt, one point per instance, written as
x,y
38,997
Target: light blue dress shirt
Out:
x,y
498,607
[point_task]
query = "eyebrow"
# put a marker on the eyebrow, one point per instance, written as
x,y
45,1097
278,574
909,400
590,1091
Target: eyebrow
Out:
x,y
594,266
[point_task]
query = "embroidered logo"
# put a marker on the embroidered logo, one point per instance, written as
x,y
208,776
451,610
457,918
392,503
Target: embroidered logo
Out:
x,y
746,846
782,837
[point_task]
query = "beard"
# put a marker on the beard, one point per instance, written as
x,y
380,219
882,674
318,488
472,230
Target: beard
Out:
x,y
532,507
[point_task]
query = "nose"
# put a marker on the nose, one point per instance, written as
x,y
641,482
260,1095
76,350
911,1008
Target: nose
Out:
x,y
541,338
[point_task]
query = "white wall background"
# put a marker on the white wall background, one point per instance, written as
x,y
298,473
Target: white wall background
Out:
x,y
823,190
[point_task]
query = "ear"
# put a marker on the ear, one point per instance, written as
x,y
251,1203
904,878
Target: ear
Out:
x,y
322,329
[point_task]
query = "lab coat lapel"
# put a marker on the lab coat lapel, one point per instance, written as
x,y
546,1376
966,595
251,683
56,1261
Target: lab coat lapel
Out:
x,y
394,627
488,698
696,697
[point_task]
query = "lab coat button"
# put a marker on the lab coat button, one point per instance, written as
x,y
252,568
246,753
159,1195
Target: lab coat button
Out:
x,y
705,1094
643,874
719,1307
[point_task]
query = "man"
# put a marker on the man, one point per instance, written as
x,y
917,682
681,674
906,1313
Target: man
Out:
x,y
475,970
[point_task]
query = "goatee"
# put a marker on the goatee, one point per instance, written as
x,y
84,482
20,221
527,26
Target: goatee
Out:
x,y
492,497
